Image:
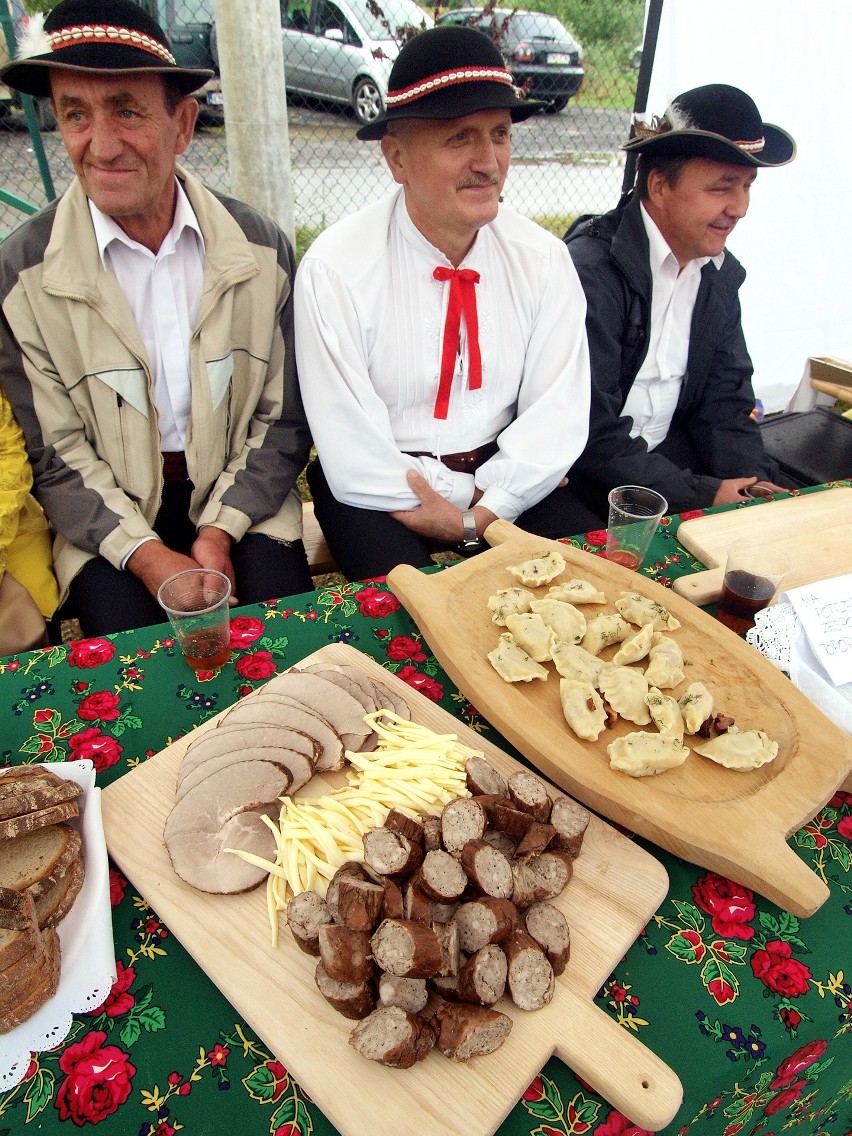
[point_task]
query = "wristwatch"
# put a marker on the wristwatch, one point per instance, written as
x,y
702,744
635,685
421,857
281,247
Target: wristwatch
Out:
x,y
471,542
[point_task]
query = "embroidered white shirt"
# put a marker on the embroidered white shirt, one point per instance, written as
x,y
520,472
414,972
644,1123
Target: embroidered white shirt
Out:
x,y
653,398
369,333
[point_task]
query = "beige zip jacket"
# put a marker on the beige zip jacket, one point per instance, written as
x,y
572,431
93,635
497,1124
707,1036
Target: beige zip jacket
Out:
x,y
75,370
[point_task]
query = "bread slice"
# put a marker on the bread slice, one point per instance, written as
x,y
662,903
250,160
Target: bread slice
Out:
x,y
31,788
29,822
55,903
15,943
35,996
37,860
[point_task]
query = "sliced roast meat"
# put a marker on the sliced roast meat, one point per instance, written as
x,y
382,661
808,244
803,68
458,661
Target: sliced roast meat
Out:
x,y
470,1031
266,706
352,999
407,949
224,812
485,920
570,821
529,794
462,820
530,976
306,913
298,766
487,869
549,928
343,711
482,777
393,1037
482,979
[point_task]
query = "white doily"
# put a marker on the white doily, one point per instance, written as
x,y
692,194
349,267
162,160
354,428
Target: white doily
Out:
x,y
773,633
85,935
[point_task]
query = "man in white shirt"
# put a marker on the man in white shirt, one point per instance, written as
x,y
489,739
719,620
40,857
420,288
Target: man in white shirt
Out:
x,y
672,399
443,360
147,346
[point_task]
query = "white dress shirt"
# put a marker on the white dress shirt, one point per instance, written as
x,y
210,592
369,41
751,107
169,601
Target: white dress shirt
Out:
x,y
653,398
369,333
164,293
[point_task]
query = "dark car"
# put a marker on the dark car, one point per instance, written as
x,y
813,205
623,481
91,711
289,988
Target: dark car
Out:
x,y
541,53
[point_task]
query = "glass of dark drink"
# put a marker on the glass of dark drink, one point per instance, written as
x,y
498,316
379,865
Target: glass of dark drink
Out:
x,y
634,513
196,602
753,574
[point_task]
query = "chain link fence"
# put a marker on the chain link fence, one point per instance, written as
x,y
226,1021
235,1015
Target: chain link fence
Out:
x,y
579,56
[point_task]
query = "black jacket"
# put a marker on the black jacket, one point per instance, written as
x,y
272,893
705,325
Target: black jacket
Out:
x,y
711,431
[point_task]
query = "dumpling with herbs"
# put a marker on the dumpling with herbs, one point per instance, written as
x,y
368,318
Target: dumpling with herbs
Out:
x,y
665,713
642,754
509,601
740,749
665,666
603,630
567,623
696,705
573,661
577,592
539,569
624,689
532,634
641,610
512,663
583,708
636,647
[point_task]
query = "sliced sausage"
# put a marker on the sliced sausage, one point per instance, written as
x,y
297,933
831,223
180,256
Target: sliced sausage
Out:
x,y
306,913
408,993
462,820
352,999
530,975
359,903
488,869
548,927
485,920
390,853
470,1031
529,794
482,777
482,979
345,954
431,833
441,877
393,1037
448,937
407,949
538,837
399,822
570,821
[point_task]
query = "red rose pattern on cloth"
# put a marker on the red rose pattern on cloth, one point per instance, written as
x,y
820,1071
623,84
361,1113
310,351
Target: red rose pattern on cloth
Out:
x,y
715,959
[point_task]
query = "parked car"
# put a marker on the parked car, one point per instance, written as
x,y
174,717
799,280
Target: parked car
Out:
x,y
343,50
542,55
337,50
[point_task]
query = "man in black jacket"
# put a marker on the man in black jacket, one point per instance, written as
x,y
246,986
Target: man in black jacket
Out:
x,y
671,375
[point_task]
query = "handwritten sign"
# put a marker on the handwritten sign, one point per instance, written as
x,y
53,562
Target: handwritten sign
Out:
x,y
825,611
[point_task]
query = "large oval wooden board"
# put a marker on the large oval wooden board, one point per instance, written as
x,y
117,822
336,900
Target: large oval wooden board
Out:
x,y
734,823
615,890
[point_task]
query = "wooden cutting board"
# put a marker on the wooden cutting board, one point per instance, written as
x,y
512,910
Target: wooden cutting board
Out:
x,y
815,530
734,823
615,890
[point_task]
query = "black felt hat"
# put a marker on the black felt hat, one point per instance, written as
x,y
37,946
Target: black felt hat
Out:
x,y
449,72
108,36
717,122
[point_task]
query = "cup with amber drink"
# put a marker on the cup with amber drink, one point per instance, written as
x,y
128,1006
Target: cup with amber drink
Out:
x,y
196,602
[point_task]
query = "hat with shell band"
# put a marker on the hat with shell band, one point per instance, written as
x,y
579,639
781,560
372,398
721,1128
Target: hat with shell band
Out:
x,y
717,122
449,72
106,36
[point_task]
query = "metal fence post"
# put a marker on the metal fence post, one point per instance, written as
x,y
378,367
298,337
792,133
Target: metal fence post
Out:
x,y
29,107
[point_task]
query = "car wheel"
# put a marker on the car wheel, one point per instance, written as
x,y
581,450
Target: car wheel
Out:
x,y
554,106
367,101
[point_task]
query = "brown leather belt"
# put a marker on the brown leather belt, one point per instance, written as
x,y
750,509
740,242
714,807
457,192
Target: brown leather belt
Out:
x,y
174,467
467,462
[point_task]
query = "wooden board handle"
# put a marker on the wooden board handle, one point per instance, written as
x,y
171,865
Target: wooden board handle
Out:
x,y
499,531
702,587
618,1066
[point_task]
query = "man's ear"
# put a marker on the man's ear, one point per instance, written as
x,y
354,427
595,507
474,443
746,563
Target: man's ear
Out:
x,y
657,183
187,113
393,154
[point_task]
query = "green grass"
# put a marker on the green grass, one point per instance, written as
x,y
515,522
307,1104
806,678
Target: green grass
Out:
x,y
609,82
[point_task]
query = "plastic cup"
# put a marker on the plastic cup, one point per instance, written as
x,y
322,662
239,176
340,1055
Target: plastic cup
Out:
x,y
196,602
634,513
753,573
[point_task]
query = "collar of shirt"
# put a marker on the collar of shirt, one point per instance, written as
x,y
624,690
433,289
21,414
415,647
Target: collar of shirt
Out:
x,y
433,255
108,230
661,256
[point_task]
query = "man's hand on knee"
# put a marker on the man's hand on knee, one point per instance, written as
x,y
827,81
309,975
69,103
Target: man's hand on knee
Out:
x,y
212,549
153,562
435,517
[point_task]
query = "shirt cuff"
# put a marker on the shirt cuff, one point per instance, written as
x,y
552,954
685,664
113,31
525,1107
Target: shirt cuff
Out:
x,y
138,544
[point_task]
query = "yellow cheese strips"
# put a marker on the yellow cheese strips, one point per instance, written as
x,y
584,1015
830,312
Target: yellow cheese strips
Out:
x,y
412,770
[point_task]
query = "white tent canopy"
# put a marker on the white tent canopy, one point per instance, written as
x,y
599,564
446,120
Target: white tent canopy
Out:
x,y
793,58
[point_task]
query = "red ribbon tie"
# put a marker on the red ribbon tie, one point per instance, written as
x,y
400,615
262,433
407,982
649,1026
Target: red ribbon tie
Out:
x,y
462,302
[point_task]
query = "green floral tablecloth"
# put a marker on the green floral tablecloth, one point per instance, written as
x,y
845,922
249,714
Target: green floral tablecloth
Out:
x,y
749,1005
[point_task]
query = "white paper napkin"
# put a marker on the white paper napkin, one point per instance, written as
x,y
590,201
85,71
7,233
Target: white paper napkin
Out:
x,y
85,936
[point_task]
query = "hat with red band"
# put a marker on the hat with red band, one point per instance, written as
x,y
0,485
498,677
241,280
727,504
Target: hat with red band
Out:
x,y
449,72
718,122
107,36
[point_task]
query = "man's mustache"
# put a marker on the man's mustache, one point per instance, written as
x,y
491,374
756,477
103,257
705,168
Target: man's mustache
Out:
x,y
483,179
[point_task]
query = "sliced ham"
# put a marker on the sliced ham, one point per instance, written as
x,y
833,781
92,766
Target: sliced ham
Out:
x,y
341,710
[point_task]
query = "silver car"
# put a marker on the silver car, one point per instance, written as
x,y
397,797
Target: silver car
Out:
x,y
342,50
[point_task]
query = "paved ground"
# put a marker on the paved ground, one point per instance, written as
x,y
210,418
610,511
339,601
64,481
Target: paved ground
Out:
x,y
564,163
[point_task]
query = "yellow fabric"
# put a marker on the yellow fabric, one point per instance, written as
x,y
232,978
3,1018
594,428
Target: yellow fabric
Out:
x,y
25,544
